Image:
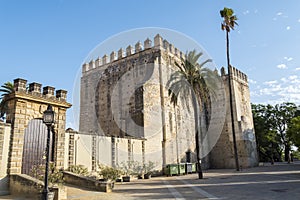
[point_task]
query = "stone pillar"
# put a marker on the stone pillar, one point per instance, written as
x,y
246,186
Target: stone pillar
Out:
x,y
92,64
20,85
61,95
98,62
128,50
147,43
104,59
60,136
35,88
112,56
18,124
120,53
138,47
48,91
158,41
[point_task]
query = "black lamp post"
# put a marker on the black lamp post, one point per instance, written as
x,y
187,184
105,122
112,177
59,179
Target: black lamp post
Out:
x,y
48,119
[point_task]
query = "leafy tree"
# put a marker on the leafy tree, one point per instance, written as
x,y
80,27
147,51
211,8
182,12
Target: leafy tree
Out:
x,y
282,115
266,139
293,131
229,22
191,80
271,124
6,89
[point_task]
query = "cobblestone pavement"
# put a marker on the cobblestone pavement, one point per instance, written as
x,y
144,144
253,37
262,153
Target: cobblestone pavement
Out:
x,y
280,181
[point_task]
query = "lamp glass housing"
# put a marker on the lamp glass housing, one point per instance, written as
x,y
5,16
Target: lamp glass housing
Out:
x,y
49,116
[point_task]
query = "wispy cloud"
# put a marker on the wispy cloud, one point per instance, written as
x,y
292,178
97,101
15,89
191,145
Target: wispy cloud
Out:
x,y
297,69
293,77
282,66
280,15
288,28
270,82
246,12
288,58
285,89
252,81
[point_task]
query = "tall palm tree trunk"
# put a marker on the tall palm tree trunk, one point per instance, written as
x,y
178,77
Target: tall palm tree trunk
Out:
x,y
231,106
197,129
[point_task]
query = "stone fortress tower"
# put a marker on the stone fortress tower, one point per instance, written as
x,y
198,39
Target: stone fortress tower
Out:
x,y
222,155
126,113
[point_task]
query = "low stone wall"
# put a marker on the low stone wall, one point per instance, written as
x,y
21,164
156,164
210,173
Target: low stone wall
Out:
x,y
29,187
90,183
26,186
4,189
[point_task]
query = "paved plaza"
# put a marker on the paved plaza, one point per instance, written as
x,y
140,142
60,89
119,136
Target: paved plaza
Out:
x,y
280,181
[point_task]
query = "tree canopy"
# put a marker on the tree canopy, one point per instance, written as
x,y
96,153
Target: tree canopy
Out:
x,y
276,130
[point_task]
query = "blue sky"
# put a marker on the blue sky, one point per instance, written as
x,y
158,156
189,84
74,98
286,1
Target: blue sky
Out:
x,y
47,41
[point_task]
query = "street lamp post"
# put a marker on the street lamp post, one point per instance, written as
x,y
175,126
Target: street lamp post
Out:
x,y
48,119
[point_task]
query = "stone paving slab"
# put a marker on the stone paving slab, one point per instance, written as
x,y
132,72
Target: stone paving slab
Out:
x,y
279,181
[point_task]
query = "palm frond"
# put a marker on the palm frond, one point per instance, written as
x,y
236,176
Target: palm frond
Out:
x,y
5,90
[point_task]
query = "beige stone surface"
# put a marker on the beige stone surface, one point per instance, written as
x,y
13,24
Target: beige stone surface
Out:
x,y
116,101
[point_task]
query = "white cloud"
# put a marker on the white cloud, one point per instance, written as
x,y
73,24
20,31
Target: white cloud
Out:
x,y
252,81
293,77
286,89
270,82
288,28
297,69
246,12
298,20
279,13
281,66
288,58
284,79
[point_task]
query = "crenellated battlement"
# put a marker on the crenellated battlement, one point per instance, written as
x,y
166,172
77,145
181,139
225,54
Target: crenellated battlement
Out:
x,y
235,73
20,86
159,43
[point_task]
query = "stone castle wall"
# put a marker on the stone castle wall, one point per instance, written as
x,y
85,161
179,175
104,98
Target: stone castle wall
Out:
x,y
116,101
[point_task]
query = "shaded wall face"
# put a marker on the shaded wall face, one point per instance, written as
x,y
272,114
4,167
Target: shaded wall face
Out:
x,y
222,156
4,148
111,99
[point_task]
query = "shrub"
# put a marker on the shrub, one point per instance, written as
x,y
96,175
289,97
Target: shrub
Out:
x,y
109,173
148,167
78,169
55,175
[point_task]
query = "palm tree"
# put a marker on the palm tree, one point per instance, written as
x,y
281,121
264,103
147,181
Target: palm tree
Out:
x,y
229,21
6,89
190,80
